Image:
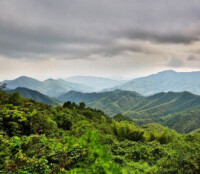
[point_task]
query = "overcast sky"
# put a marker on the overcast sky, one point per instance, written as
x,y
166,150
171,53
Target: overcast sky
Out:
x,y
127,38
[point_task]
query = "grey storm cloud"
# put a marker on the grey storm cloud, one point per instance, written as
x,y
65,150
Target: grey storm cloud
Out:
x,y
82,28
192,58
175,62
119,49
161,37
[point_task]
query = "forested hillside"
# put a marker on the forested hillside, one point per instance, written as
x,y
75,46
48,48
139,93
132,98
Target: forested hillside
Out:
x,y
161,107
183,122
111,102
38,138
35,95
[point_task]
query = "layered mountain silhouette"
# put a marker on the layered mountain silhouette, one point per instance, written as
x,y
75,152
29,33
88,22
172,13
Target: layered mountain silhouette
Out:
x,y
50,87
133,104
163,82
169,98
96,83
112,102
167,108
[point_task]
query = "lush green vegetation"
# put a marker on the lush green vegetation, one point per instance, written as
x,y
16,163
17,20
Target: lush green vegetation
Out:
x,y
35,95
183,122
38,138
111,102
179,111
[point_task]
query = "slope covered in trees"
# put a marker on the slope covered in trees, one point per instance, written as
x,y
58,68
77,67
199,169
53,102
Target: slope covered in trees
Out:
x,y
133,104
183,122
162,107
38,138
35,95
111,102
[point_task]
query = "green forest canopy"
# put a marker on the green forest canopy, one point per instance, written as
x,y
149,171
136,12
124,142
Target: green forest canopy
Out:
x,y
38,138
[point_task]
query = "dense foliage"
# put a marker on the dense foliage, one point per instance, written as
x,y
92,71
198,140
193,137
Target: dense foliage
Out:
x,y
170,109
35,95
38,138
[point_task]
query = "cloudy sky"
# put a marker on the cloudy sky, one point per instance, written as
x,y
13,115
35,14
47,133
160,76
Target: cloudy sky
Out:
x,y
127,38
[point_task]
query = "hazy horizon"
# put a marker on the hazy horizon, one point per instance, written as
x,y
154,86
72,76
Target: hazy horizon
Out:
x,y
117,78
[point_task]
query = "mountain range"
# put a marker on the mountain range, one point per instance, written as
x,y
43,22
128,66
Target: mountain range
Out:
x,y
95,83
134,105
111,102
167,108
163,82
169,98
50,87
35,95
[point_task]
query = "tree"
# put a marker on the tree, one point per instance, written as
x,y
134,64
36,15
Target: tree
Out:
x,y
2,86
15,98
67,104
82,105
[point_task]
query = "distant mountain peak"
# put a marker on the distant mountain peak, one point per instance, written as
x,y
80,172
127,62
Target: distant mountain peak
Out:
x,y
49,80
168,80
96,83
25,78
50,87
167,71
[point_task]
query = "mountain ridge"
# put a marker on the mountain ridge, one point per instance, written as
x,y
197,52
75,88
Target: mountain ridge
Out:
x,y
163,99
50,87
35,95
96,83
161,107
164,81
